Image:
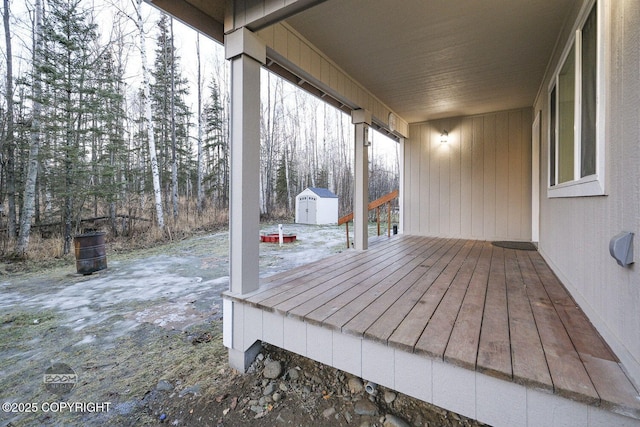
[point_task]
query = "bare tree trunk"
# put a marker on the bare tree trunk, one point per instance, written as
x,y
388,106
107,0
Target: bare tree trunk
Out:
x,y
174,159
157,190
200,194
28,201
10,142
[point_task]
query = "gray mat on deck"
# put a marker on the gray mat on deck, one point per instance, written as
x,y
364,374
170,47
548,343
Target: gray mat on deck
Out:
x,y
523,246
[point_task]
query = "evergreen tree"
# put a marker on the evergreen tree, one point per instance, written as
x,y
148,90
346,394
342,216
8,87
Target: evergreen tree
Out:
x,y
216,148
69,76
284,183
171,114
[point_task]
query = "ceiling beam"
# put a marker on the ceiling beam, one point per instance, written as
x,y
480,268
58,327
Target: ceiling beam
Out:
x,y
192,16
258,14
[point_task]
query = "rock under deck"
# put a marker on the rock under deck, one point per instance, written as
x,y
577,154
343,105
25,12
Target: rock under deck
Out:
x,y
489,309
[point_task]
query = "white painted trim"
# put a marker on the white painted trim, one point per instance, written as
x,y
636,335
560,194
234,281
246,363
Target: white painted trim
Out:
x,y
244,209
361,179
588,186
593,185
244,42
361,116
227,323
489,400
535,177
401,186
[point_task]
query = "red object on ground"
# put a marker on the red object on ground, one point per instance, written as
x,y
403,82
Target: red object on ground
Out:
x,y
275,238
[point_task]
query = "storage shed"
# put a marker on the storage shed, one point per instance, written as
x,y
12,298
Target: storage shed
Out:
x,y
316,206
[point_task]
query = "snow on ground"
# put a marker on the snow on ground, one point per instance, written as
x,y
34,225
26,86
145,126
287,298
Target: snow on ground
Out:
x,y
173,289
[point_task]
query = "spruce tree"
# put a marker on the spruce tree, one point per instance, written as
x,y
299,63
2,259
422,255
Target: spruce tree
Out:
x,y
68,73
216,147
171,114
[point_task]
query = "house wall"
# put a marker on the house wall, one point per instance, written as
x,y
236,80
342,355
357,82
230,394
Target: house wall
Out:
x,y
575,232
478,185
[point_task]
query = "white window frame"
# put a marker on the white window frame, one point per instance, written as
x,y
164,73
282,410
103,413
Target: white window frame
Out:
x,y
591,185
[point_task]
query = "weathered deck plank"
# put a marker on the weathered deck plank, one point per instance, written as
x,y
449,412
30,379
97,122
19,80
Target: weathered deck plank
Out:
x,y
527,356
319,273
365,318
435,336
305,302
567,371
498,311
583,334
494,350
427,285
354,301
462,348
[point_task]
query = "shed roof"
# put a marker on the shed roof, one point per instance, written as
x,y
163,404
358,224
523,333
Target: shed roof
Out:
x,y
323,192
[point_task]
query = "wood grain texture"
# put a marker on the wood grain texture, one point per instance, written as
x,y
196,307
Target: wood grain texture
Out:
x,y
498,311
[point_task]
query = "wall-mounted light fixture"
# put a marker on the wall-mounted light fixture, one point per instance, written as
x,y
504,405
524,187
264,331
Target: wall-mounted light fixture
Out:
x,y
444,137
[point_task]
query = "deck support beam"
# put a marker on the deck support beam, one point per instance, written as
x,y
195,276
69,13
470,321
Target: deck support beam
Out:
x,y
247,53
362,120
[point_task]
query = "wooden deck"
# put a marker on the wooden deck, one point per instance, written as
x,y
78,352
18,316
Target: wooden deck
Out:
x,y
501,312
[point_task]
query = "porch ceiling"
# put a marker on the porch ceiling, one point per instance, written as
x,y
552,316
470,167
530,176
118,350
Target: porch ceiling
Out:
x,y
439,58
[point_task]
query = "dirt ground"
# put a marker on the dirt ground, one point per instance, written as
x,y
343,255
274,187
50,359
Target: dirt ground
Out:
x,y
140,344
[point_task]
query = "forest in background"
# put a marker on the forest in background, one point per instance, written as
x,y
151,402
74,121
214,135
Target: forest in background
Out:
x,y
105,126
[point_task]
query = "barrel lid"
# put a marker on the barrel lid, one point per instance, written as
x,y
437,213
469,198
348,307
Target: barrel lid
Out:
x,y
91,234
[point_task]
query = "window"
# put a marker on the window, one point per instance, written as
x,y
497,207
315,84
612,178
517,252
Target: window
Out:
x,y
576,166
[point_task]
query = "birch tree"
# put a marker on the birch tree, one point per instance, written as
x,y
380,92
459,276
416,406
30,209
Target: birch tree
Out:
x,y
146,99
29,197
174,158
9,140
199,189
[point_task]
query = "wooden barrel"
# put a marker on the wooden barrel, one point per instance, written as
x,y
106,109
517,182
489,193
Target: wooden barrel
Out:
x,y
91,255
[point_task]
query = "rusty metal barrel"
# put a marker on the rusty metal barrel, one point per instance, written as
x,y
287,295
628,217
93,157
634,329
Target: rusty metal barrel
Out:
x,y
91,255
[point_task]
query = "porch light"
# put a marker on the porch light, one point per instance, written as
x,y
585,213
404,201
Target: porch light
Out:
x,y
444,137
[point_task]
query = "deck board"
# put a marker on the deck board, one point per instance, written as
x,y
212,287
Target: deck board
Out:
x,y
498,311
353,302
527,356
494,350
567,371
380,306
462,348
427,285
321,308
288,287
583,334
436,334
304,303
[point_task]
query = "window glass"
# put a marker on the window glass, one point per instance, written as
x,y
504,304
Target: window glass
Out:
x,y
566,118
588,128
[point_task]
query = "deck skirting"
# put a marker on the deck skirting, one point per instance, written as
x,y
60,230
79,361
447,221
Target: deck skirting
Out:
x,y
484,331
470,393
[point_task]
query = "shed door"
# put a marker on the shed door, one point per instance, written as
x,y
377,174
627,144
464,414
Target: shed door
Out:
x,y
311,210
307,210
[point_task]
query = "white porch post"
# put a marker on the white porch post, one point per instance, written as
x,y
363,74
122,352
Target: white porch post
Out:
x,y
362,120
246,53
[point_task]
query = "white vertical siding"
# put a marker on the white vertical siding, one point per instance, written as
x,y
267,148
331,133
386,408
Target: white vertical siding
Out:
x,y
476,186
575,232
